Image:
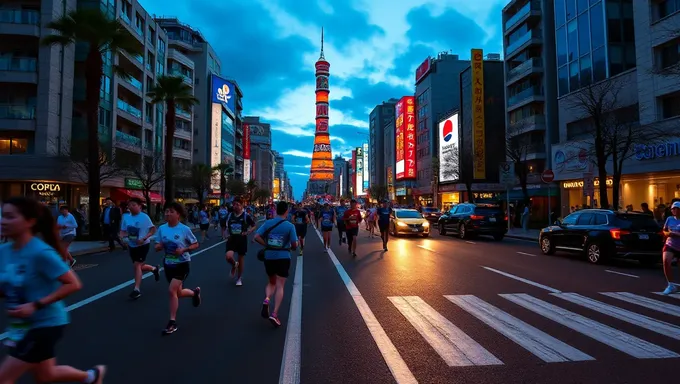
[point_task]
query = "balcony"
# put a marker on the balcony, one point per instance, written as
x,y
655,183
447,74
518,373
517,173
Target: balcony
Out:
x,y
183,114
521,98
535,151
529,124
532,8
532,37
148,145
187,79
18,70
180,58
133,85
17,117
131,113
183,133
24,22
534,65
128,142
181,153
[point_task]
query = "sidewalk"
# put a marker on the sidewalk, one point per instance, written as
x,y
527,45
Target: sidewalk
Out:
x,y
518,233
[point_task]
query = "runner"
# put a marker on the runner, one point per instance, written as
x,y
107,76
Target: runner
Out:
x,y
327,221
223,214
278,236
301,221
317,216
138,228
352,220
204,220
383,214
67,230
371,218
671,249
340,222
176,239
34,280
239,226
271,212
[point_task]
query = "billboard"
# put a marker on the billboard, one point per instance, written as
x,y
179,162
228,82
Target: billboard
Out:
x,y
423,69
215,143
276,190
405,138
366,166
359,171
247,169
246,142
449,160
223,92
478,137
342,191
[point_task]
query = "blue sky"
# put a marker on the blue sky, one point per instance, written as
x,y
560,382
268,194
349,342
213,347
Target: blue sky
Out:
x,y
374,46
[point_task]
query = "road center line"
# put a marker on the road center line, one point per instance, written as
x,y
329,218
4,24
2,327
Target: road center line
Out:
x,y
117,288
291,360
526,281
400,371
526,254
622,274
471,242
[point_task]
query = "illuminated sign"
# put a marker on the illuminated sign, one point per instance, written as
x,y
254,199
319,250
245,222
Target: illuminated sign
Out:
x,y
246,170
216,143
656,151
246,142
579,183
134,184
359,172
322,147
276,190
423,69
366,166
405,138
45,189
449,167
478,134
223,92
341,186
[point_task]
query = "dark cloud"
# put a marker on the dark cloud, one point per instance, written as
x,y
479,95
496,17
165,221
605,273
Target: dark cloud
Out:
x,y
403,64
451,28
365,97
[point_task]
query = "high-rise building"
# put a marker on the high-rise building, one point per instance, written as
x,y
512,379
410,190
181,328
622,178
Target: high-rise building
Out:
x,y
321,172
389,158
262,158
377,119
437,94
340,177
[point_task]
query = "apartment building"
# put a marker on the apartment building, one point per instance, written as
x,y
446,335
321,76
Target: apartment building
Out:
x,y
261,155
376,143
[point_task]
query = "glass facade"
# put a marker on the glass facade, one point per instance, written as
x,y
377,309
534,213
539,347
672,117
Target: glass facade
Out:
x,y
228,139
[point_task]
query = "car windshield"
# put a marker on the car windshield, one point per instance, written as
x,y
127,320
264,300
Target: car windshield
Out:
x,y
408,215
430,209
637,221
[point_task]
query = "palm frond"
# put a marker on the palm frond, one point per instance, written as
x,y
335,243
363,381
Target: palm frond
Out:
x,y
122,72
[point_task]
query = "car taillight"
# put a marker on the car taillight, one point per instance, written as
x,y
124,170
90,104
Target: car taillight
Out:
x,y
616,233
476,217
506,217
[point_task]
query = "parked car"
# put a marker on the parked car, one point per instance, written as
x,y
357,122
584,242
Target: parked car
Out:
x,y
600,234
431,214
408,222
468,220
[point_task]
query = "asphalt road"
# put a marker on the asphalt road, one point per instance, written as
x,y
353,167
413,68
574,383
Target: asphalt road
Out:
x,y
435,310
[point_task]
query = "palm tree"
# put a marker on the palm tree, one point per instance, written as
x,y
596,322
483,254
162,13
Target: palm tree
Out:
x,y
262,195
224,170
200,180
175,93
102,36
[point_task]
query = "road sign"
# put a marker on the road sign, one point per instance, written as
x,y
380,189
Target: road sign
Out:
x,y
588,184
548,176
506,171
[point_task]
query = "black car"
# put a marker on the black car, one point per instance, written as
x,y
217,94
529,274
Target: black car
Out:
x,y
600,234
431,214
467,220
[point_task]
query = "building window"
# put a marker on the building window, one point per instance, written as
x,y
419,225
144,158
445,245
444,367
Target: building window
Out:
x,y
616,63
586,71
670,106
571,9
584,34
666,8
559,13
13,146
581,6
563,80
669,54
597,25
561,42
599,62
572,40
125,10
573,76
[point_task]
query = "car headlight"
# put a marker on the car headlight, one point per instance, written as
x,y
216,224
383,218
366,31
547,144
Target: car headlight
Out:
x,y
400,224
426,224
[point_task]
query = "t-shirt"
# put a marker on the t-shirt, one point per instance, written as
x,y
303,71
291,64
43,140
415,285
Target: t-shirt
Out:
x,y
371,214
352,218
237,225
327,217
137,227
69,222
384,215
300,218
27,275
173,238
223,213
279,239
271,213
672,225
340,212
204,217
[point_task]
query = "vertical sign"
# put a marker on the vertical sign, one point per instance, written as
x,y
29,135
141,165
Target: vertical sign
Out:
x,y
410,139
359,171
216,144
353,180
478,139
399,138
366,166
246,141
341,189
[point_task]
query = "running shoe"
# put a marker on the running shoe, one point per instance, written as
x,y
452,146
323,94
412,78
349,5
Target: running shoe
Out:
x,y
157,273
265,309
671,289
99,372
239,283
385,249
135,294
274,318
233,269
196,298
170,328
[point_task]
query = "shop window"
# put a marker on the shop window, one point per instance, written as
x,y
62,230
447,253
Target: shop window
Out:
x,y
670,106
13,146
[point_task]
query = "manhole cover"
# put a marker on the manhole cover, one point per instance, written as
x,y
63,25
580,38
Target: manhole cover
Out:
x,y
80,267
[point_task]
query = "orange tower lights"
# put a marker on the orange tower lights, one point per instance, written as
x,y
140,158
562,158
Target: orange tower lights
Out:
x,y
322,160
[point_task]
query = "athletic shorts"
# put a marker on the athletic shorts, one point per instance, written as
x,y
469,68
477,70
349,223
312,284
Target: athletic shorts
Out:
x,y
205,227
278,267
675,252
383,227
68,238
37,345
179,271
138,254
301,230
239,246
354,232
223,223
326,229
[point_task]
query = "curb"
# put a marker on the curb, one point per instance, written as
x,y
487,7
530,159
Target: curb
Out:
x,y
522,237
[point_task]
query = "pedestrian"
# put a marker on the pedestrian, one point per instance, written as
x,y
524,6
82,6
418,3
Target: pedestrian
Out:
x,y
204,220
279,238
176,240
239,226
67,225
137,228
352,220
223,213
301,222
525,218
34,280
327,223
340,222
384,213
111,219
671,249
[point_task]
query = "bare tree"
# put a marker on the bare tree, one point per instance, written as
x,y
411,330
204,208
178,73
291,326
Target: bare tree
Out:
x,y
611,132
78,162
517,147
150,174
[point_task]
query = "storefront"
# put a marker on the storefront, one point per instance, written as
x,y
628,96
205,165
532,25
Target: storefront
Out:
x,y
448,200
452,194
52,194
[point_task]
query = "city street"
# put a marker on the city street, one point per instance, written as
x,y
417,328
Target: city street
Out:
x,y
435,310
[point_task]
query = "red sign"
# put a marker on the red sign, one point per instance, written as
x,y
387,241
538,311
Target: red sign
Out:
x,y
246,141
548,176
423,69
405,140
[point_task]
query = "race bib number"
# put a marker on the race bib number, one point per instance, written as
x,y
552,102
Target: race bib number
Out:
x,y
327,222
133,233
235,229
16,331
275,240
298,220
170,249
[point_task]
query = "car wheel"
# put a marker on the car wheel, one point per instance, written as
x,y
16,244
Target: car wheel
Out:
x,y
462,233
442,230
594,253
547,246
498,237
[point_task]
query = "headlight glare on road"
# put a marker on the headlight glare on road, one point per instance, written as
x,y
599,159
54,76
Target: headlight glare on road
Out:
x,y
400,224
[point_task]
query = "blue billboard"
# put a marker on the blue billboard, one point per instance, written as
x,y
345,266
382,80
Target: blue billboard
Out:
x,y
223,92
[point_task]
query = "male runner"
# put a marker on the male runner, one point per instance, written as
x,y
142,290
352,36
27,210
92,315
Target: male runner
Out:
x,y
138,228
384,213
301,221
327,216
340,214
239,226
223,213
352,220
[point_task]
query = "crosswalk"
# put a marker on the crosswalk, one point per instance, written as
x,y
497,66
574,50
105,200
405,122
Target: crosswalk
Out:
x,y
459,349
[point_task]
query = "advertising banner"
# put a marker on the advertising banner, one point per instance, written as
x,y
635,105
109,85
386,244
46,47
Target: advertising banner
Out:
x,y
276,190
405,138
478,138
223,92
449,155
216,143
399,139
246,170
423,69
246,142
359,172
506,173
366,166
342,191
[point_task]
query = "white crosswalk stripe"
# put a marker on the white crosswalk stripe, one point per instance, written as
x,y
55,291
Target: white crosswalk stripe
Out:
x,y
646,302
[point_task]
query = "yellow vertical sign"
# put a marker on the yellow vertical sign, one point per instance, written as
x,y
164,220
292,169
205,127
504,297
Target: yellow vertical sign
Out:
x,y
478,139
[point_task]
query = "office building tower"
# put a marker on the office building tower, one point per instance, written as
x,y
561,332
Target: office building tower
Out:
x,y
378,117
262,158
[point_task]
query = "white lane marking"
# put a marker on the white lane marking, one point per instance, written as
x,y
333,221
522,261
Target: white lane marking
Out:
x,y
537,342
646,302
526,254
115,289
658,326
612,337
291,360
471,242
426,248
535,284
621,273
400,371
455,347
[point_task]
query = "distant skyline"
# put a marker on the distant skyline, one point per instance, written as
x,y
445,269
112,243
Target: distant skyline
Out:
x,y
269,47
